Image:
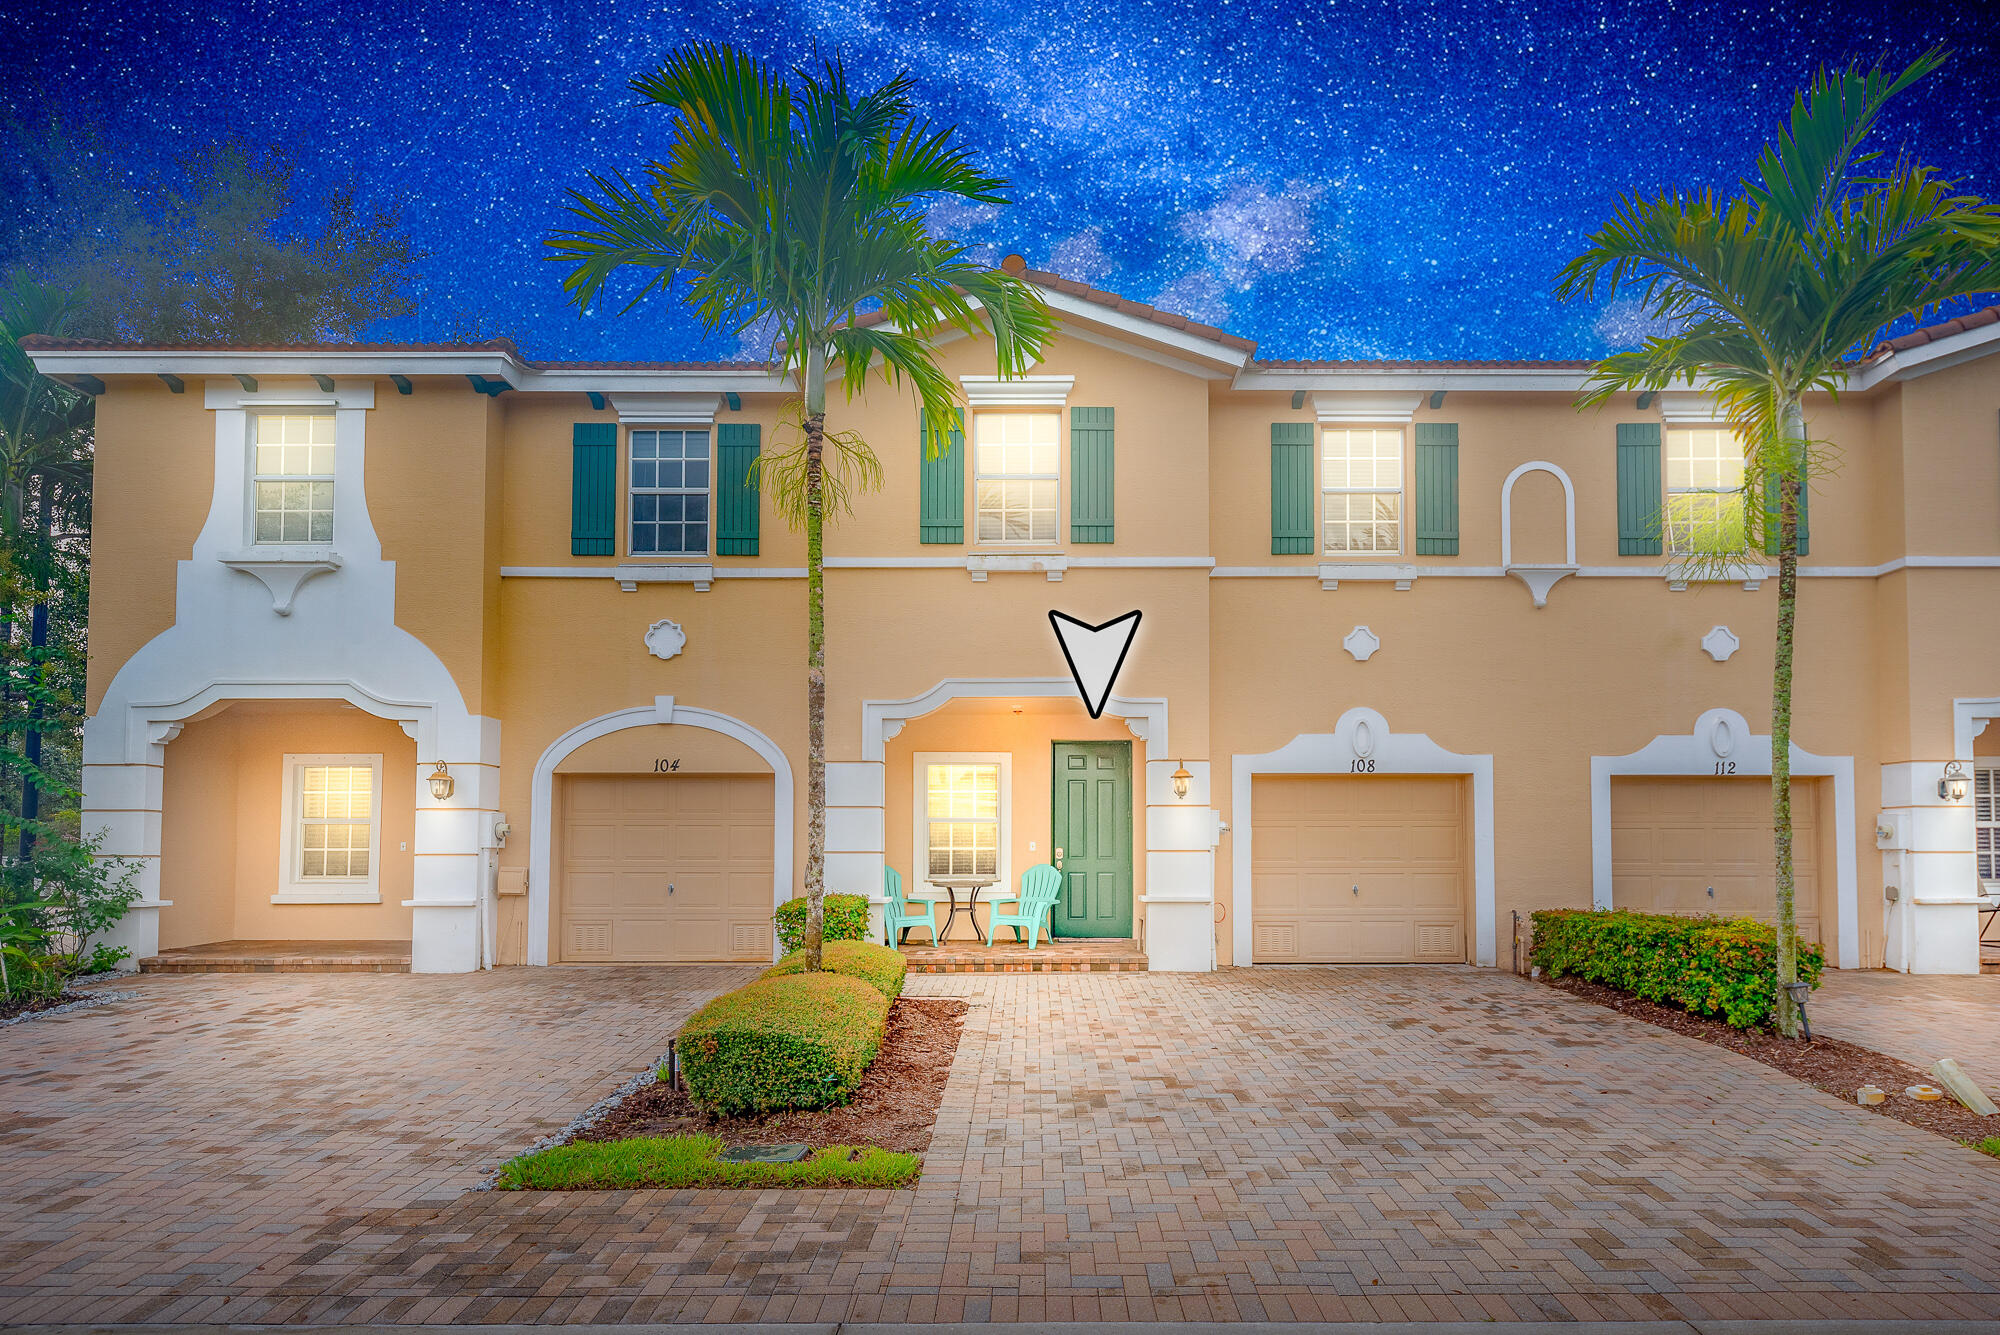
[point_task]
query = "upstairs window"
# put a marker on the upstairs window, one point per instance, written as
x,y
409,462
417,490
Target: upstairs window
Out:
x,y
1361,489
669,493
1704,496
1015,476
294,478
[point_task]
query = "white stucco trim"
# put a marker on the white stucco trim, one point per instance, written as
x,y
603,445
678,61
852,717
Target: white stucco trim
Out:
x,y
1145,718
541,817
1721,743
1507,510
1027,391
1969,716
1361,738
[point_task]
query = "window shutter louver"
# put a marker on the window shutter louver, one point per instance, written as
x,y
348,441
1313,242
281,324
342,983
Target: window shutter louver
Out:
x,y
593,489
736,498
1639,483
1437,489
941,486
1771,521
1091,490
1291,488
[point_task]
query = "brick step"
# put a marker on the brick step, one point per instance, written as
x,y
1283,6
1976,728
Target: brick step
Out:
x,y
1106,955
283,957
156,964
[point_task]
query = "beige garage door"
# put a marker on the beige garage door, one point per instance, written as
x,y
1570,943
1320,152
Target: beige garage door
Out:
x,y
1674,841
1358,870
668,868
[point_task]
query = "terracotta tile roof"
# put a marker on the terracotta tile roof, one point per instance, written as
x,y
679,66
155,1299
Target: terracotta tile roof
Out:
x,y
44,343
1931,333
1420,365
1111,301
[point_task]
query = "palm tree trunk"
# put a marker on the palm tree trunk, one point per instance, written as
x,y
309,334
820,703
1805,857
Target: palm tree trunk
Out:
x,y
1787,1010
815,425
38,638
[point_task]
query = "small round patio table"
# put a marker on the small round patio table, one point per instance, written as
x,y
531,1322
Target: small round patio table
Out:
x,y
971,886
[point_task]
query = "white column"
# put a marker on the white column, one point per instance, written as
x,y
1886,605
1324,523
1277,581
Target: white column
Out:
x,y
854,835
1933,923
1181,834
451,836
121,804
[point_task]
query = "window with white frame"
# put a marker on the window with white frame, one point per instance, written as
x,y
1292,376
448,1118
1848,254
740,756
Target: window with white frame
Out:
x,y
669,493
333,825
1704,495
1986,823
1361,489
1015,476
293,478
962,812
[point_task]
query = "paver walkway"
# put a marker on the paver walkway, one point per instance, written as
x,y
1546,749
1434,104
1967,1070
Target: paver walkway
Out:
x,y
1917,1017
1277,1144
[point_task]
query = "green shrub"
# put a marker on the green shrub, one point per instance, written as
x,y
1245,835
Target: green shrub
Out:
x,y
846,919
801,1041
878,966
690,1161
1710,966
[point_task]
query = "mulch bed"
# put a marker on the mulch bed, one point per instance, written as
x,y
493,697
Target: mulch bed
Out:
x,y
1827,1064
893,1110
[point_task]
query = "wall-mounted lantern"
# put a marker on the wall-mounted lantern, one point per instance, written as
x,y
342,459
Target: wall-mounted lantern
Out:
x,y
1181,778
1953,785
442,783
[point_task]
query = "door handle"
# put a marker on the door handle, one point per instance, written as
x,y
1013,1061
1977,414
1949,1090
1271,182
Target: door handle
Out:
x,y
1059,858
1356,889
670,887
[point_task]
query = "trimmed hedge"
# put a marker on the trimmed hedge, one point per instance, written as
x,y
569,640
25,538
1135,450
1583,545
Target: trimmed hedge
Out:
x,y
846,919
801,1041
878,966
1710,966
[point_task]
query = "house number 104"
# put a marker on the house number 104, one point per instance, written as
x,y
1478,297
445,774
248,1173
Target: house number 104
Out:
x,y
665,766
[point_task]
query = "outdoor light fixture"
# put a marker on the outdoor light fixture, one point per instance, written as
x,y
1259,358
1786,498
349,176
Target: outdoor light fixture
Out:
x,y
1952,786
442,783
1181,777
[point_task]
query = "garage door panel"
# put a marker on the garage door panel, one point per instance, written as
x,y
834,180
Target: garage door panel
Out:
x,y
1673,839
628,838
1357,870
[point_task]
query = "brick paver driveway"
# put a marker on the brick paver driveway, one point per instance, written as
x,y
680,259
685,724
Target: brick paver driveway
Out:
x,y
1270,1144
1917,1017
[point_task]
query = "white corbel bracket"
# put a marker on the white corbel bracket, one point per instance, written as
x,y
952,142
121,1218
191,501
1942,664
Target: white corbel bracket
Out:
x,y
1540,579
283,571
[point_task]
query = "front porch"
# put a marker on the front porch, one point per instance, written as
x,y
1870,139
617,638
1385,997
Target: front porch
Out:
x,y
282,957
1074,954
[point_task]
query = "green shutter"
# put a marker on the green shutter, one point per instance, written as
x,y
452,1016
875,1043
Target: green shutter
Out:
x,y
1639,502
1437,489
736,446
593,488
941,487
1091,493
1771,521
1291,488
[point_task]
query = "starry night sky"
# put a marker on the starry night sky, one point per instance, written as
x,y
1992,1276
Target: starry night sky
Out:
x,y
1334,180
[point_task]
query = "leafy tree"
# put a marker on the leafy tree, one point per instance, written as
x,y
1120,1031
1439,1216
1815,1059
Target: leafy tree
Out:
x,y
1770,295
217,248
797,205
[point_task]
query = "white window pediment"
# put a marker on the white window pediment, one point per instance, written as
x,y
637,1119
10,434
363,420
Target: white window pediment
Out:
x,y
667,409
1027,391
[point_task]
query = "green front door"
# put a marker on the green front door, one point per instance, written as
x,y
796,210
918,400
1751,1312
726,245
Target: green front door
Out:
x,y
1093,828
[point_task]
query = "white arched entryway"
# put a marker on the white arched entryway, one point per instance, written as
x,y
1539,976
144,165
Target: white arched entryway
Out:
x,y
662,710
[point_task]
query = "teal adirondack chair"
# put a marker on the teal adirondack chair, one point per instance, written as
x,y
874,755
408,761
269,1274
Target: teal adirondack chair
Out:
x,y
1040,884
900,914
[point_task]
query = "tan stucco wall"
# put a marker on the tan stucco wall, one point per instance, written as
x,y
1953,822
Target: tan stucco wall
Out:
x,y
224,786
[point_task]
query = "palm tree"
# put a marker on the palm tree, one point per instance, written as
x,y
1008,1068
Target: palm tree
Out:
x,y
796,206
1770,296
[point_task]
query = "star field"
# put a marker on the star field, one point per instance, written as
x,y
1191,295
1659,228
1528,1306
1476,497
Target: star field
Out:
x,y
1333,180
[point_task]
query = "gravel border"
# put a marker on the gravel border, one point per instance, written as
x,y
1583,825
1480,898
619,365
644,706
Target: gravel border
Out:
x,y
90,1002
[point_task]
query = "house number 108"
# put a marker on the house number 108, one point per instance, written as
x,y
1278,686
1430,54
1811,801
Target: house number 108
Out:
x,y
665,766
1362,767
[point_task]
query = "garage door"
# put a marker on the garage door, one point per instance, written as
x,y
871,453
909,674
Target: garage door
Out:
x,y
674,868
1358,870
1704,846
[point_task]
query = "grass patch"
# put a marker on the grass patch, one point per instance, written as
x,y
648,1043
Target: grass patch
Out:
x,y
690,1161
1990,1145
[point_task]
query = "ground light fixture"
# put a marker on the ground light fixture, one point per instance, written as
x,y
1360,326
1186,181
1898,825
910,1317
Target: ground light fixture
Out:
x,y
1181,777
442,783
1952,786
